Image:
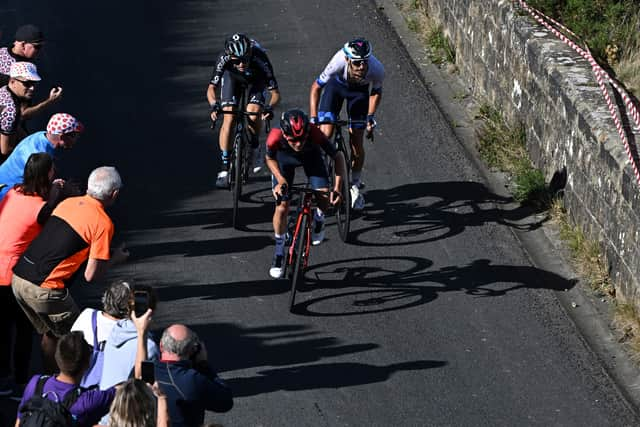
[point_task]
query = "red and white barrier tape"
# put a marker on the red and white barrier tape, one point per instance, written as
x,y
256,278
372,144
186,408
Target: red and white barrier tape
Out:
x,y
600,74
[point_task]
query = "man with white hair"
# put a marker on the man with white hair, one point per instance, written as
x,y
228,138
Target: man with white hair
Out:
x,y
79,230
63,131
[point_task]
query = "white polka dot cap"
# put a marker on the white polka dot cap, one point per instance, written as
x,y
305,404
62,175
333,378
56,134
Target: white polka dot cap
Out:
x,y
24,71
62,123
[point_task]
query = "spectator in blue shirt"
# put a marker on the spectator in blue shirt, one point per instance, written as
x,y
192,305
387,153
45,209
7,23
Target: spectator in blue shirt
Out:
x,y
63,130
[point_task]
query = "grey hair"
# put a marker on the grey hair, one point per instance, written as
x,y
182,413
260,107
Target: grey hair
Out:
x,y
185,348
133,405
116,300
103,181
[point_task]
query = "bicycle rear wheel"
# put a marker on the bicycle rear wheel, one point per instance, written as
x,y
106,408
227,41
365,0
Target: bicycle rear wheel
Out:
x,y
236,186
343,210
297,276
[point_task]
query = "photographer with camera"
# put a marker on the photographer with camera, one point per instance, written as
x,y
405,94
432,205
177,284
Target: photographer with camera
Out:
x,y
120,348
184,375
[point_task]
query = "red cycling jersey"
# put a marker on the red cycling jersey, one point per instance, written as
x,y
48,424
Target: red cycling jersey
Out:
x,y
277,142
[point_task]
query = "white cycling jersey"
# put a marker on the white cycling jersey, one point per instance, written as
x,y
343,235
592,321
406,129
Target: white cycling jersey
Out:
x,y
337,68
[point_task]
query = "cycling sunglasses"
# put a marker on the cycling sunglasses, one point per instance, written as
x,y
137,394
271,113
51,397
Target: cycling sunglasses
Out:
x,y
240,60
300,138
359,62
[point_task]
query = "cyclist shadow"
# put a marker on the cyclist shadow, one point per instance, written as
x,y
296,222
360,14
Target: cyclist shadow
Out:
x,y
318,376
426,212
410,283
288,356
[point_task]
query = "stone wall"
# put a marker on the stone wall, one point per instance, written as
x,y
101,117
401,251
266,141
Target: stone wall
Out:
x,y
530,75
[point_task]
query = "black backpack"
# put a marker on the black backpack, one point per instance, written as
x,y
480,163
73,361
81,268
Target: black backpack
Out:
x,y
42,412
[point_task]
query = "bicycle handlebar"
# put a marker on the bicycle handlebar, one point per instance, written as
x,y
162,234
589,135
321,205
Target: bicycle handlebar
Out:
x,y
297,189
340,123
243,113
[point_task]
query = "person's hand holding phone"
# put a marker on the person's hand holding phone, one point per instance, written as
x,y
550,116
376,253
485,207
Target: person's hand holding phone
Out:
x,y
148,372
143,321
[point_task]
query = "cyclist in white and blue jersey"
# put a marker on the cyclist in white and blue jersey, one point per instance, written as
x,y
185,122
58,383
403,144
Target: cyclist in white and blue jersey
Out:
x,y
354,75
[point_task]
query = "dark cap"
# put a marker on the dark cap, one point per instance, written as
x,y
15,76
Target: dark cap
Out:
x,y
30,34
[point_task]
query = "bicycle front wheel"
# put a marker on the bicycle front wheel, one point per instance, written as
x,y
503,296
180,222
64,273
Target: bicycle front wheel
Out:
x,y
297,276
343,210
236,186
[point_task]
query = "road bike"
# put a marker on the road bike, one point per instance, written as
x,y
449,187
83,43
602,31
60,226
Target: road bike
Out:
x,y
239,160
343,212
300,232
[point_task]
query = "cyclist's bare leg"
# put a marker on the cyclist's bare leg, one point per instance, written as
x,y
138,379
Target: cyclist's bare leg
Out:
x,y
357,149
280,218
253,122
327,130
228,122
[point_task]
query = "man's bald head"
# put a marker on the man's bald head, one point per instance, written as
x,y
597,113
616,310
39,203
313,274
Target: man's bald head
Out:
x,y
179,340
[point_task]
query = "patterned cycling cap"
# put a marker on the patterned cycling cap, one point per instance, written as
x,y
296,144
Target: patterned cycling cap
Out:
x,y
63,123
25,71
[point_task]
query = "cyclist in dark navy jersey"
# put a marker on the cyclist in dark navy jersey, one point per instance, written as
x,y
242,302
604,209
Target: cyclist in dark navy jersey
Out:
x,y
243,61
299,143
354,75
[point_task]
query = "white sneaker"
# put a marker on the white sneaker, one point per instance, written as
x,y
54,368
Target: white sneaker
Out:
x,y
222,181
258,158
277,267
317,234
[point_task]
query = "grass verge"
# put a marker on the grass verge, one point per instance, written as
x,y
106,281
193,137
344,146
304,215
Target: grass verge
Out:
x,y
502,147
441,50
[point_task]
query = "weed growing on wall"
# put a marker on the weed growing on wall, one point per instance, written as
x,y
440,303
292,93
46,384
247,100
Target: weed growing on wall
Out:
x,y
502,146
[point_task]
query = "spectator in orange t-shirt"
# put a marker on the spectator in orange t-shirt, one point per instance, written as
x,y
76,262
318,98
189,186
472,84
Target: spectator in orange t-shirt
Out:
x,y
22,214
79,230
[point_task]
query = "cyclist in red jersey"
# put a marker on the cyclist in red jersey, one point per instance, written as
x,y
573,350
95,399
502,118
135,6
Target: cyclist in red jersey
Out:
x,y
300,143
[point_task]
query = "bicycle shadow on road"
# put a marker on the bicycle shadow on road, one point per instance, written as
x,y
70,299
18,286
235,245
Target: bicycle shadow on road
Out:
x,y
426,212
410,283
281,346
273,345
329,375
360,286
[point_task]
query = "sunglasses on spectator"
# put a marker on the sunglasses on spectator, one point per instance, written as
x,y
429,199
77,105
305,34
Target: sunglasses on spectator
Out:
x,y
27,83
359,62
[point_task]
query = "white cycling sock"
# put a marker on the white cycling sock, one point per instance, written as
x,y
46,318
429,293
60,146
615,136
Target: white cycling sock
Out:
x,y
318,215
280,244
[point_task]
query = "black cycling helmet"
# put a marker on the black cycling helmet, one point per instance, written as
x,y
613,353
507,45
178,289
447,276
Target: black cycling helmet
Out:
x,y
294,124
237,45
357,49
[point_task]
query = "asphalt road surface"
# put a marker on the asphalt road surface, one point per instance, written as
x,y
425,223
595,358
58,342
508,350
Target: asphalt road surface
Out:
x,y
433,316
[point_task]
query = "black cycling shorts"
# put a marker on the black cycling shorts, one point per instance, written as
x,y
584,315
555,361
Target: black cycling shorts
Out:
x,y
311,161
231,90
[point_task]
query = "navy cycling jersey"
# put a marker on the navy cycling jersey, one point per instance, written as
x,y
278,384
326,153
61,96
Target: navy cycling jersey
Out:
x,y
316,139
259,68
